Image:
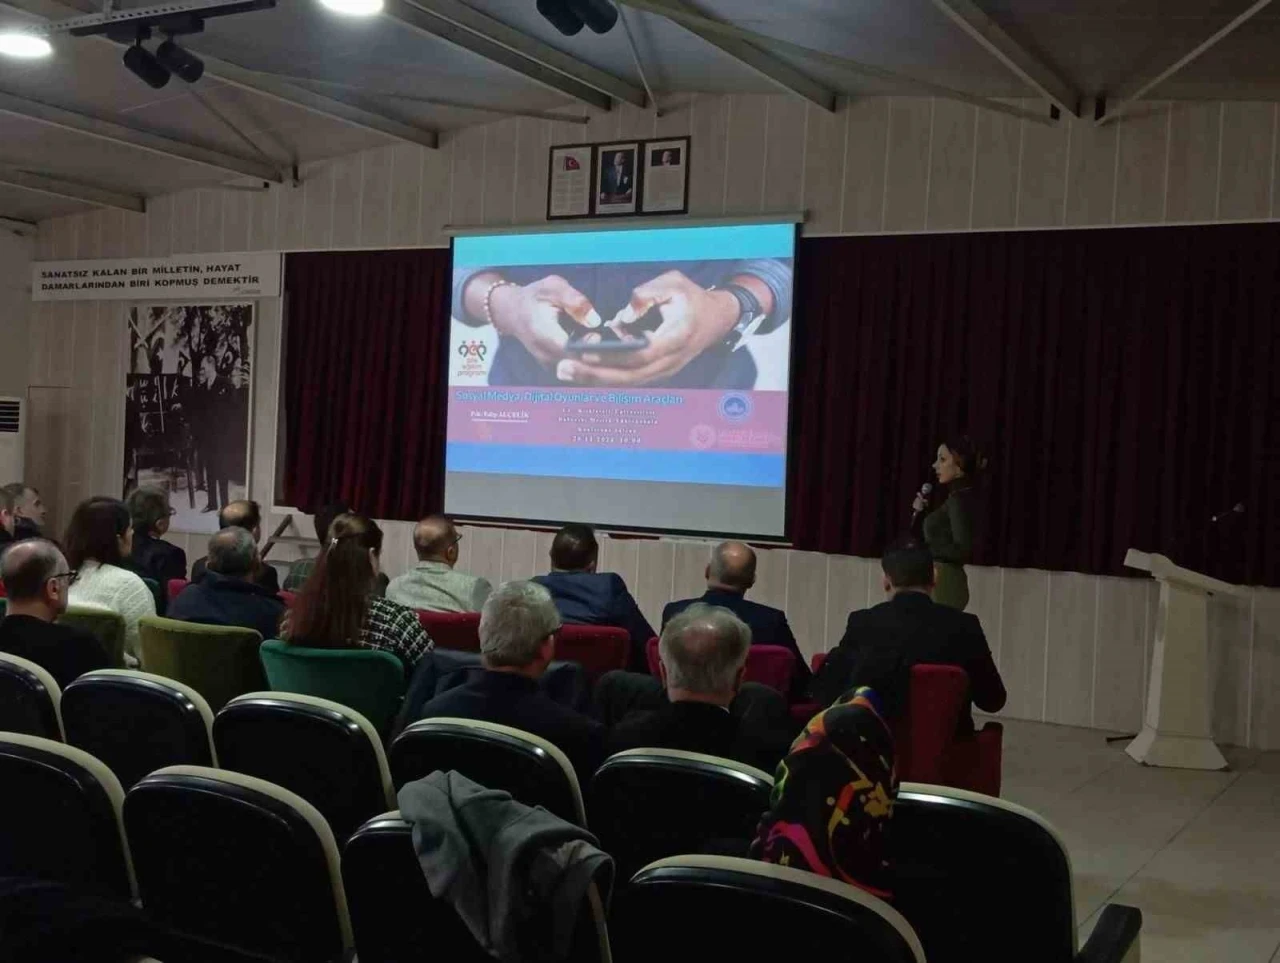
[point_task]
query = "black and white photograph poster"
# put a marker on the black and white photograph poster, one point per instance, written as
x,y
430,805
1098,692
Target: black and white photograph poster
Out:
x,y
569,192
666,176
616,171
187,403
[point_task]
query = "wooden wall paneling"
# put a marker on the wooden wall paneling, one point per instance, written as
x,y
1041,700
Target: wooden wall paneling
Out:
x,y
436,202
784,147
616,555
375,198
985,586
1091,172
64,237
1230,637
745,154
1070,649
806,601
291,211
518,548
1118,679
603,126
951,165
1023,636
825,137
318,185
84,234
846,591
634,123
1195,133
710,154
689,569
133,229
866,153
906,179
266,399
397,548
347,201
236,220
533,146
498,197
264,208
468,175
108,386
1264,720
997,159
208,222
486,552
655,560
1141,171
1042,169
676,119
772,576
405,199
61,368
1244,190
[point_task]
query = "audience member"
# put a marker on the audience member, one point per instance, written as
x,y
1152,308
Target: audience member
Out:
x,y
227,594
152,556
98,541
833,798
7,520
336,607
433,585
36,577
584,596
517,642
881,644
301,569
28,509
247,515
703,657
730,575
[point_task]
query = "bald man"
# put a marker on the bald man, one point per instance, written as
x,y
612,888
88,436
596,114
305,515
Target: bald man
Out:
x,y
433,585
731,573
36,578
246,514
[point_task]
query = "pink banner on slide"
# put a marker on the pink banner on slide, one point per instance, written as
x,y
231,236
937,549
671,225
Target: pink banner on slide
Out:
x,y
641,418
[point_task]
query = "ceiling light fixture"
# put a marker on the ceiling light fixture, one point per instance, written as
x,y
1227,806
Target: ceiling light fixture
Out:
x,y
24,45
181,62
560,16
354,8
598,15
142,64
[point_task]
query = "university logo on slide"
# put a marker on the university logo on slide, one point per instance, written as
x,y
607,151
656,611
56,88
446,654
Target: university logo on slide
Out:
x,y
472,354
735,406
702,437
473,349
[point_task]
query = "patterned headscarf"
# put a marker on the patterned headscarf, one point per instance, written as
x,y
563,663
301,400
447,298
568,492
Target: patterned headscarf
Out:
x,y
833,797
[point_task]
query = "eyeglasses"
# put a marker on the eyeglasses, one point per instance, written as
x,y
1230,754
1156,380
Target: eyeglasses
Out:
x,y
70,576
457,538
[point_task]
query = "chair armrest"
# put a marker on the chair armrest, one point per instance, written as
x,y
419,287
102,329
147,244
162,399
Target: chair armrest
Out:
x,y
1115,938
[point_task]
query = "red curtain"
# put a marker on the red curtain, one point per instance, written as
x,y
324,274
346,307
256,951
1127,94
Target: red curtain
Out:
x,y
364,404
1123,383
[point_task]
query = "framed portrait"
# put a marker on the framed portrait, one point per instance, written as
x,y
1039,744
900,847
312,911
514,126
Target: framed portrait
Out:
x,y
569,182
665,176
617,174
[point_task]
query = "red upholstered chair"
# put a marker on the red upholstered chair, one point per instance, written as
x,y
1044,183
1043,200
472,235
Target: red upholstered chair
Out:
x,y
771,665
597,648
453,630
175,586
288,598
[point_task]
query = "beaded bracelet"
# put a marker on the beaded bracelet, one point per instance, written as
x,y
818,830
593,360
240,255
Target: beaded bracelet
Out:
x,y
488,296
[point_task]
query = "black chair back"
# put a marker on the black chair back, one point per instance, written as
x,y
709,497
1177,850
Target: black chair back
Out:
x,y
529,767
761,911
328,754
231,859
29,698
137,722
60,817
648,804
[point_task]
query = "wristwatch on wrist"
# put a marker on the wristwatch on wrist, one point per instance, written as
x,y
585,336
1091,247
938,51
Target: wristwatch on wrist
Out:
x,y
751,315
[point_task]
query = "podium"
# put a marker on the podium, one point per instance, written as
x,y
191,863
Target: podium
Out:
x,y
1177,730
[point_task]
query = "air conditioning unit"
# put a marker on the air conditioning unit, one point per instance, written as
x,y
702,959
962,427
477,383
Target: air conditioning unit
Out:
x,y
13,424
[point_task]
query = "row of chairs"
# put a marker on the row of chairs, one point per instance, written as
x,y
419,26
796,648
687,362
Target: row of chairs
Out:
x,y
227,858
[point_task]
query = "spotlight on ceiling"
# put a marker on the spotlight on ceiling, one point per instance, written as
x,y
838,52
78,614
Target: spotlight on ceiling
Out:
x,y
560,16
143,65
23,45
598,15
181,62
354,8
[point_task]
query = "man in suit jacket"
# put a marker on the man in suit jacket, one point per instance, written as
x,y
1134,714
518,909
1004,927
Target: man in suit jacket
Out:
x,y
584,596
881,644
517,642
227,594
730,575
703,657
244,514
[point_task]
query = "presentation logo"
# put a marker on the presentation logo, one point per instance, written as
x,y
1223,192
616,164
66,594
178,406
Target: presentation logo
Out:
x,y
472,355
473,349
735,406
702,437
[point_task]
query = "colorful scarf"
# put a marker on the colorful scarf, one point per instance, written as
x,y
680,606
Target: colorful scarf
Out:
x,y
833,797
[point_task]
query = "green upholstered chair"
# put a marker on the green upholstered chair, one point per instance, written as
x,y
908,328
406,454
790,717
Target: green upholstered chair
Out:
x,y
106,626
218,661
367,680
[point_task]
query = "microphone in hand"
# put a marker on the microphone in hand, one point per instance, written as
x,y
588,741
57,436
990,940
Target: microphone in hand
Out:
x,y
921,501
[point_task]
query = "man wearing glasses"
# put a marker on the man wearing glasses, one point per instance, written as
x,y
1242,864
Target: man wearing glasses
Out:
x,y
36,579
433,585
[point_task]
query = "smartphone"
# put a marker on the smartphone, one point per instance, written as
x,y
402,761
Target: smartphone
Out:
x,y
607,344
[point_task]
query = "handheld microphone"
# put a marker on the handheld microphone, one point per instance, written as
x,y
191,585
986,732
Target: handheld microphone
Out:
x,y
925,491
1236,509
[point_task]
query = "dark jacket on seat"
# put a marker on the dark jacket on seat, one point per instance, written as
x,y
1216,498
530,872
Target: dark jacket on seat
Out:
x,y
709,729
225,600
266,577
64,650
882,643
158,560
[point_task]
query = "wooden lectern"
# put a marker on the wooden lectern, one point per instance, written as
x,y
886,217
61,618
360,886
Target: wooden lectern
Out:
x,y
1177,730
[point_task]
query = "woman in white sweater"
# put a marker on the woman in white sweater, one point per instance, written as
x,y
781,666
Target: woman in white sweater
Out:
x,y
99,540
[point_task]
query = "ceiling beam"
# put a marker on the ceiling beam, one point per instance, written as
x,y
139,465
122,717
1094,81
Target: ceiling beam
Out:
x,y
17,226
142,139
765,64
687,18
468,28
989,35
57,187
259,83
1128,94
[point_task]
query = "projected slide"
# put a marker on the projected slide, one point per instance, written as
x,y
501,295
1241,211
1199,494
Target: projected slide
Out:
x,y
635,378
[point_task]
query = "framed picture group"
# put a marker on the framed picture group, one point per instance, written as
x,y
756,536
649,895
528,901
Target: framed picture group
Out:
x,y
622,178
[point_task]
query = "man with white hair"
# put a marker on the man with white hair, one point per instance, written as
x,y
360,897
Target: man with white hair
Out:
x,y
518,626
702,661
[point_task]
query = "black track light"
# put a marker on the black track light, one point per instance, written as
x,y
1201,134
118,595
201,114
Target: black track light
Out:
x,y
561,17
182,62
598,15
143,65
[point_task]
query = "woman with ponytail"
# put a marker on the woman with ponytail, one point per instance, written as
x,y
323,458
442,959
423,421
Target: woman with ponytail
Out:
x,y
336,607
950,530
